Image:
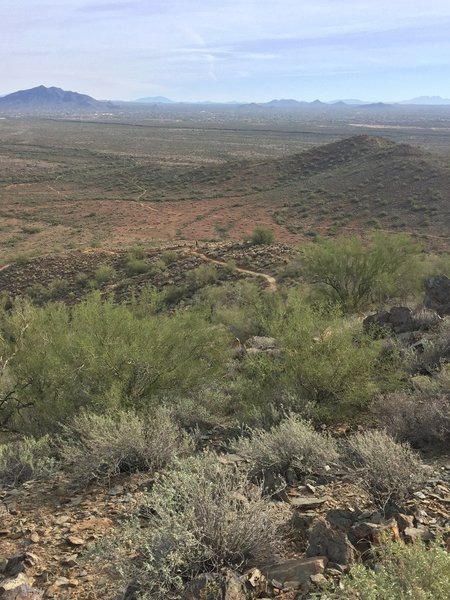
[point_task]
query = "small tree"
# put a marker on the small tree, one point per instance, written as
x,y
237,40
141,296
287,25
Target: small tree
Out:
x,y
355,273
262,236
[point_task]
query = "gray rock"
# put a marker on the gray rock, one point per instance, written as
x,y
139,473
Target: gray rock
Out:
x,y
399,320
413,534
324,540
261,343
295,572
19,588
305,503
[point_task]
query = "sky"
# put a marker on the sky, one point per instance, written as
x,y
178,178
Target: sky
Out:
x,y
243,50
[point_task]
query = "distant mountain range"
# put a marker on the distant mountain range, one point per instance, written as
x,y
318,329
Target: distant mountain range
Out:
x,y
155,100
54,99
43,98
292,103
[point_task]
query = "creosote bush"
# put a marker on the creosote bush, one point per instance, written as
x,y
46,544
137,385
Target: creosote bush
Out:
x,y
104,273
292,444
420,418
262,236
97,447
203,516
403,571
24,459
389,471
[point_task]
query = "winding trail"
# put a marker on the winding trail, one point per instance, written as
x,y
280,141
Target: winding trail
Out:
x,y
271,281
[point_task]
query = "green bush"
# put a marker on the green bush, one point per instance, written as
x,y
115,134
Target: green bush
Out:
x,y
356,274
204,517
324,360
136,266
98,355
95,447
104,273
136,253
203,275
402,572
389,471
169,256
24,459
262,236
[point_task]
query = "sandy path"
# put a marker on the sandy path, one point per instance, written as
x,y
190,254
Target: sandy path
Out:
x,y
271,281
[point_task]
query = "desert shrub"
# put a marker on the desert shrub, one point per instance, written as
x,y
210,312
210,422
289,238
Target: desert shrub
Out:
x,y
241,307
356,274
104,273
262,236
99,355
24,459
403,571
204,516
202,275
82,279
435,351
389,471
96,447
292,444
323,359
57,286
173,294
419,418
169,256
136,253
136,266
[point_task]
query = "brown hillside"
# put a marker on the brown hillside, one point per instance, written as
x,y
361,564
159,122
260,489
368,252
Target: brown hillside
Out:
x,y
358,182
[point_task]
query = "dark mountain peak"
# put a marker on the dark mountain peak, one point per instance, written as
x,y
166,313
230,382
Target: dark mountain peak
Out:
x,y
42,98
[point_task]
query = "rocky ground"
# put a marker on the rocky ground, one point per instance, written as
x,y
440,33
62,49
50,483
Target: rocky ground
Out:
x,y
46,530
57,277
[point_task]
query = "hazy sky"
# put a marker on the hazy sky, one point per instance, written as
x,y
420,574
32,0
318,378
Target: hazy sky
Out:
x,y
229,50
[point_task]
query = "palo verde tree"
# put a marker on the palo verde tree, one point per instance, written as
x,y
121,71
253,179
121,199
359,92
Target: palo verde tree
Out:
x,y
356,273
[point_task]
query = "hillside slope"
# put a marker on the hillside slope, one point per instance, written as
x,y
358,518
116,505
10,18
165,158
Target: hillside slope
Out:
x,y
362,180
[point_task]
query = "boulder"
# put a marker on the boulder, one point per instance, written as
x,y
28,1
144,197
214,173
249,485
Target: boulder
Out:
x,y
324,540
437,294
293,573
262,345
399,320
19,588
372,533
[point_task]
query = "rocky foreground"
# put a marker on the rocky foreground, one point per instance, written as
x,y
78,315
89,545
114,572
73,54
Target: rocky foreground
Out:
x,y
45,531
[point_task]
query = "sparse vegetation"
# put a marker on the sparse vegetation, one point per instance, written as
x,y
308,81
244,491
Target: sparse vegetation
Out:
x,y
96,447
113,402
262,236
206,517
26,459
390,471
402,571
293,444
104,273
